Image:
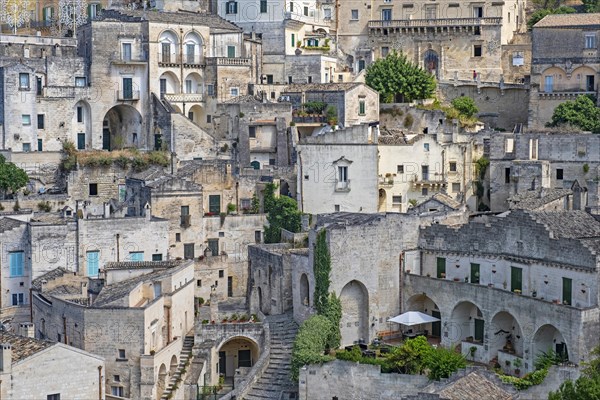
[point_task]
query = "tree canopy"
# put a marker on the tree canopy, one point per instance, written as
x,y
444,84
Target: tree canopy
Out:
x,y
395,75
465,105
591,6
539,14
582,113
586,387
12,178
282,212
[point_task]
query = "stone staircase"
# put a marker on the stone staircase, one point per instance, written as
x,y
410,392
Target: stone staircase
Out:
x,y
184,358
275,383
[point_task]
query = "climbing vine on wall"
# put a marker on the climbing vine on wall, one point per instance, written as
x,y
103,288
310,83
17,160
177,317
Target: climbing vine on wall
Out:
x,y
322,268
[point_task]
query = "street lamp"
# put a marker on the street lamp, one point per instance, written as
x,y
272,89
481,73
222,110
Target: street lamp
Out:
x,y
14,13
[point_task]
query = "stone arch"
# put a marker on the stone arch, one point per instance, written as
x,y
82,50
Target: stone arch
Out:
x,y
176,108
195,113
169,83
580,77
168,43
193,48
354,325
426,305
463,324
505,335
547,338
431,62
194,85
304,290
255,164
382,200
173,365
122,127
82,125
558,79
162,380
235,352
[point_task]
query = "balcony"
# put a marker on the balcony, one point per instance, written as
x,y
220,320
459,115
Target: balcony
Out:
x,y
387,181
429,180
168,60
229,61
128,95
560,95
185,221
342,186
119,59
184,97
445,25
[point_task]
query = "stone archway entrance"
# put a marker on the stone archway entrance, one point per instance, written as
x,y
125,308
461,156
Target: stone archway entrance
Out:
x,y
382,200
122,127
354,325
237,352
162,380
304,290
426,305
548,338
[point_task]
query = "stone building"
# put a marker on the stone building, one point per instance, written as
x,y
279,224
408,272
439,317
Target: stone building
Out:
x,y
525,163
136,317
36,369
565,63
337,171
523,285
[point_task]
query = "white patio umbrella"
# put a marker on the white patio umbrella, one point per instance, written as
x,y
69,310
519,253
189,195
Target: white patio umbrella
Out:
x,y
411,318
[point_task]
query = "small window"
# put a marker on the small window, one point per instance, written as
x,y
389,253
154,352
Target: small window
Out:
x,y
210,90
234,91
40,121
213,246
400,169
221,234
257,237
337,208
361,107
26,119
116,391
221,273
157,257
230,51
199,282
559,173
590,41
55,396
231,7
80,81
426,146
509,145
117,378
26,147
477,50
455,187
270,79
343,174
136,256
16,263
252,131
188,251
40,145
93,189
208,119
396,199
122,354
385,51
305,11
354,15
126,51
309,79
271,161
506,175
178,237
263,6
452,166
424,192
24,81
246,204
79,114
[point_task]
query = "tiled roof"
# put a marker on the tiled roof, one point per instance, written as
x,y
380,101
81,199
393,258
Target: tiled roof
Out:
x,y
308,87
112,293
244,99
534,199
475,386
568,224
198,19
563,20
23,347
149,174
143,264
342,219
36,284
6,224
446,200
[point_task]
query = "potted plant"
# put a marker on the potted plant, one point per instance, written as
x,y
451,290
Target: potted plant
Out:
x,y
517,363
456,279
490,285
517,291
443,275
534,293
472,351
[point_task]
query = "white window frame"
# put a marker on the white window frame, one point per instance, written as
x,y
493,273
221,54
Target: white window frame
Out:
x,y
352,15
26,119
234,91
590,41
124,55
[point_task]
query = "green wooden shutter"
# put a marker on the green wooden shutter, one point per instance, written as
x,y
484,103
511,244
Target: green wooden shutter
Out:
x,y
89,10
441,267
516,278
479,325
567,290
293,40
474,273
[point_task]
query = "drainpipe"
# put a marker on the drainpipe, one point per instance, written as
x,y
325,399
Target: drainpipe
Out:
x,y
65,329
181,63
301,182
401,268
237,196
30,305
118,255
100,397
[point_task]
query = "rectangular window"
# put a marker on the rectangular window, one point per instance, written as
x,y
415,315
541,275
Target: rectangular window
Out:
x,y
117,378
230,51
80,81
93,10
474,273
26,119
221,273
509,145
455,187
79,114
38,86
231,7
506,175
188,251
213,246
166,52
257,237
127,88
590,41
122,354
210,90
386,14
516,279
293,40
234,91
452,166
400,169
327,13
26,147
263,6
424,192
214,204
230,286
559,174
291,7
92,261
93,189
157,257
477,50
396,199
477,12
178,237
361,65
336,208
188,86
533,149
567,290
55,396
385,51
430,12
40,146
305,11
269,79
441,267
361,107
199,282
40,121
244,358
15,262
245,204
425,172
81,141
190,53
18,299
343,174
24,81
136,256
426,146
126,51
354,15
252,131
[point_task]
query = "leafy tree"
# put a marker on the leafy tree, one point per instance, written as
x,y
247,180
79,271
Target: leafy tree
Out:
x,y
322,268
586,387
465,105
284,214
411,357
443,362
333,312
395,75
12,178
269,197
539,14
581,113
591,6
310,343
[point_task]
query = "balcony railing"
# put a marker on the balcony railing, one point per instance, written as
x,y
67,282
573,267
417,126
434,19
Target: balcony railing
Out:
x,y
342,186
429,180
438,22
184,97
167,59
317,119
231,61
565,94
186,221
128,95
387,181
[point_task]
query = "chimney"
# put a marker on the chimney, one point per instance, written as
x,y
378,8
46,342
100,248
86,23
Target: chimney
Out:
x,y
5,358
26,329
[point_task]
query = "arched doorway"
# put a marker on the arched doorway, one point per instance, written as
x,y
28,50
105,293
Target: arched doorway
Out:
x,y
426,305
122,127
236,352
193,48
195,113
548,338
354,325
466,324
505,336
255,164
304,290
169,84
162,379
431,62
382,200
173,365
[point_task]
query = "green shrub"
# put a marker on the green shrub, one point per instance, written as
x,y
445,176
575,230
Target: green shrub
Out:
x,y
310,343
122,161
408,121
139,163
160,158
465,106
411,357
44,206
231,208
443,362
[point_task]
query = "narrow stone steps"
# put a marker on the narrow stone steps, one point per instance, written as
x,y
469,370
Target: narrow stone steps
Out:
x,y
184,357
